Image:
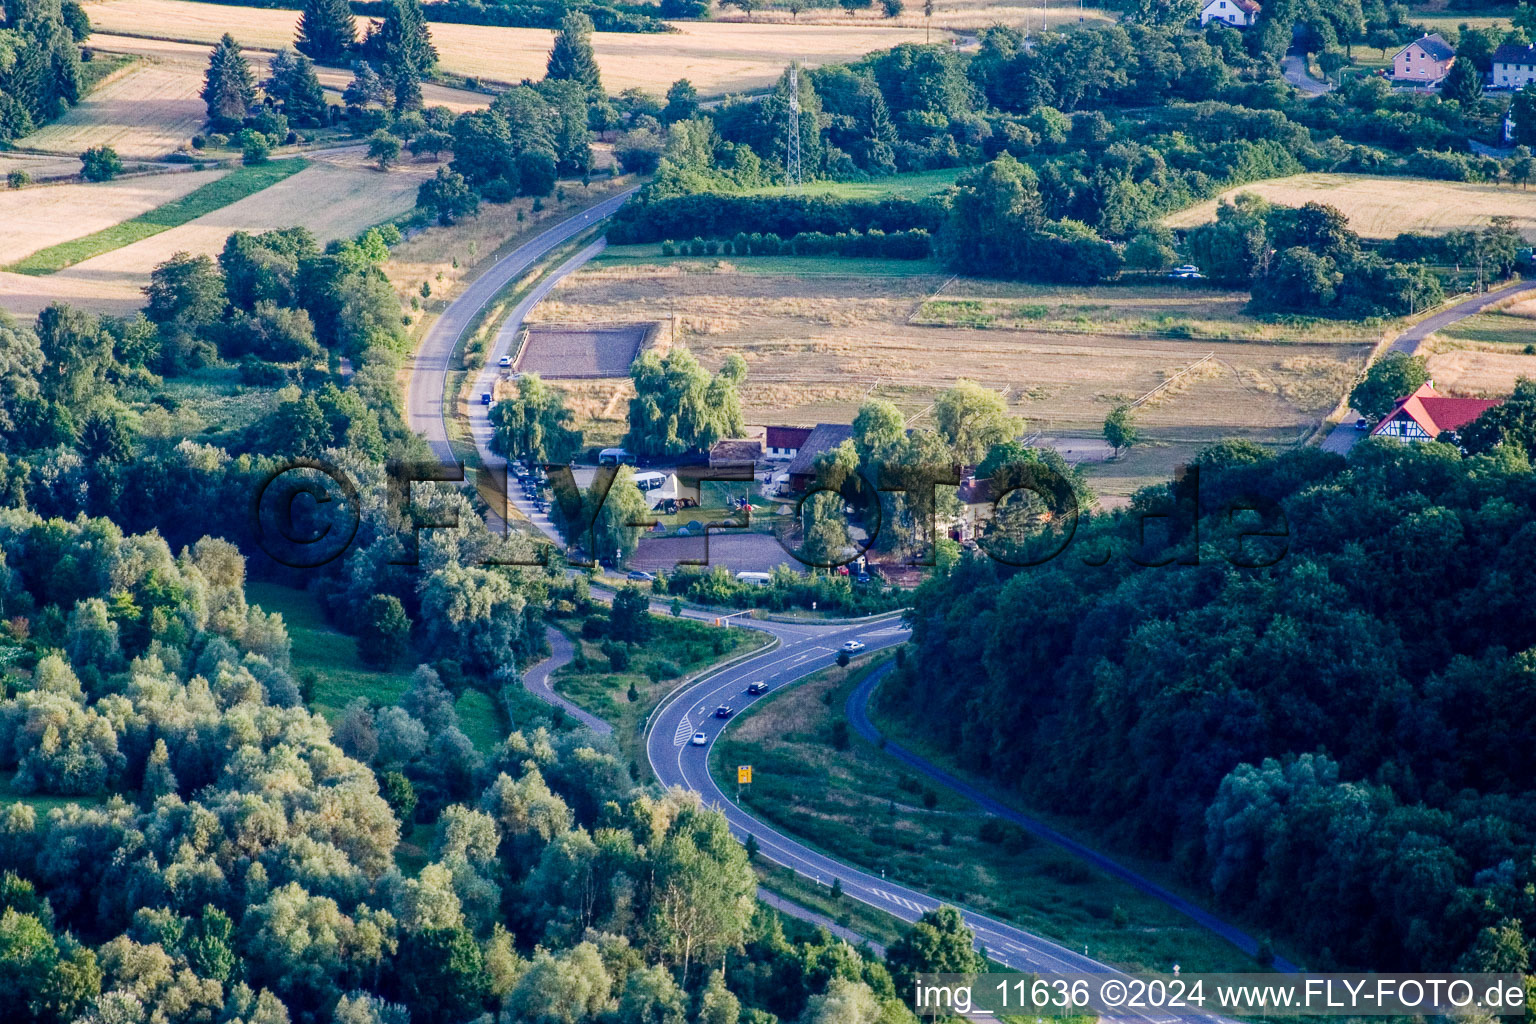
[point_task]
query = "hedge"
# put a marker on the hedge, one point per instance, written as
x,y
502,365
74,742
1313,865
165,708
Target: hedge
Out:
x,y
721,215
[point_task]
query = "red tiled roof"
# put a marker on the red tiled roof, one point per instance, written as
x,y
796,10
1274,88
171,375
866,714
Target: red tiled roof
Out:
x,y
787,437
1436,412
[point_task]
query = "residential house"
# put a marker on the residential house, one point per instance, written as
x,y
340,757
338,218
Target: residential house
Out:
x,y
1426,414
1424,61
822,438
1237,13
784,442
1514,66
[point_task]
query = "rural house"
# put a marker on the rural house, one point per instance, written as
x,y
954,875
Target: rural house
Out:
x,y
784,442
1514,66
1426,413
1423,61
822,438
1239,13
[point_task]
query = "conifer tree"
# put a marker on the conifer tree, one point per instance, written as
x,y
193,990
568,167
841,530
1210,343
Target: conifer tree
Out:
x,y
401,45
305,104
327,31
572,58
229,88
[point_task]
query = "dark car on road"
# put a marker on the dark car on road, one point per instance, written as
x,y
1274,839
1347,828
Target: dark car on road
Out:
x,y
757,688
722,711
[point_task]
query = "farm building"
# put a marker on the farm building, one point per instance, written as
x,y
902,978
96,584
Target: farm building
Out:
x,y
1423,61
1426,414
1514,66
1238,13
784,442
821,439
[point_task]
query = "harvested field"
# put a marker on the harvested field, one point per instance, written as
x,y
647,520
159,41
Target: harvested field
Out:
x,y
337,197
1485,355
955,15
195,57
35,218
40,167
576,351
145,111
1383,207
717,57
818,348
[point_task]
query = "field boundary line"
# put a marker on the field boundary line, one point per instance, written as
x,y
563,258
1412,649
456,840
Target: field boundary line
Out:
x,y
1192,366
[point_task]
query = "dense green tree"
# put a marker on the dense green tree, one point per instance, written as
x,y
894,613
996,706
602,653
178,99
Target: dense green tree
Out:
x,y
447,196
972,419
678,406
630,619
383,149
1512,422
682,102
572,59
939,943
401,44
187,290
229,86
386,631
1395,375
327,31
100,163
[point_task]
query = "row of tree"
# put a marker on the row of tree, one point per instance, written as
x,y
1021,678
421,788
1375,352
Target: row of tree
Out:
x,y
40,53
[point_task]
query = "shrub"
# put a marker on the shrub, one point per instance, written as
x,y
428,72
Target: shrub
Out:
x,y
664,669
100,163
668,249
199,141
18,179
255,147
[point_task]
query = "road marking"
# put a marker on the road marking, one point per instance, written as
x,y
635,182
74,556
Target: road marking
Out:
x,y
900,901
684,732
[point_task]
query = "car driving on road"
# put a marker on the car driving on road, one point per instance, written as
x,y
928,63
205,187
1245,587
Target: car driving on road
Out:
x,y
699,739
757,688
851,646
723,711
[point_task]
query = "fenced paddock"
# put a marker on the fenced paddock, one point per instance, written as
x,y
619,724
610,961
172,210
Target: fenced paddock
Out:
x,y
566,351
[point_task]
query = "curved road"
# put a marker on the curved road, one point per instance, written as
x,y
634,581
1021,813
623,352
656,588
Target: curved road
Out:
x,y
424,394
803,648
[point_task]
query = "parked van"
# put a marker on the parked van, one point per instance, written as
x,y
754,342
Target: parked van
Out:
x,y
761,579
615,457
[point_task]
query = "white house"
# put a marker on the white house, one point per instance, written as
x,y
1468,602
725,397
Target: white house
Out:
x,y
1514,66
1238,13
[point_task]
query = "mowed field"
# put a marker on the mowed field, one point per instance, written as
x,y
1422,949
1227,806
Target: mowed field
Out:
x,y
337,197
1383,207
716,57
1487,353
35,218
152,108
818,346
957,15
145,111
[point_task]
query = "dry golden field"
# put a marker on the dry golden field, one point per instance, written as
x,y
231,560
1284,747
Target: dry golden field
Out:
x,y
144,111
35,218
1485,354
337,197
1382,207
818,346
966,16
716,57
195,58
40,166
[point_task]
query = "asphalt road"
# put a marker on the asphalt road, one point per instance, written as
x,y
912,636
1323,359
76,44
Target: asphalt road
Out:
x,y
424,395
803,650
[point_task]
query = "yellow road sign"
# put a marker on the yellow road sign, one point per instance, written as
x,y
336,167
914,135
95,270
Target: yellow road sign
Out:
x,y
743,775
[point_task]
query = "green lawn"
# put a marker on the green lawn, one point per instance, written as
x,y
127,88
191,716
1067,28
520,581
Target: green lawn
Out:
x,y
798,266
869,809
331,655
42,803
897,186
687,644
236,185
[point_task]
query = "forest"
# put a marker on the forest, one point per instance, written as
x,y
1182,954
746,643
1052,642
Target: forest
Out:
x,y
1329,744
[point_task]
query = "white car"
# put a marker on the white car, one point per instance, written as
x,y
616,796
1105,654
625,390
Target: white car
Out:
x,y
852,646
505,362
699,739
